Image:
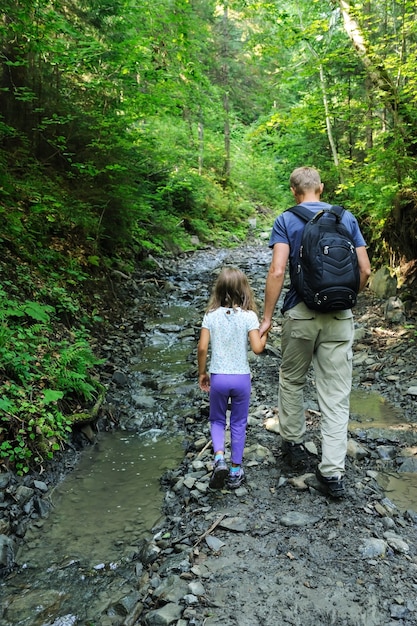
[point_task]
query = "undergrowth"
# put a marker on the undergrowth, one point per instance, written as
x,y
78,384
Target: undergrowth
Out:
x,y
46,371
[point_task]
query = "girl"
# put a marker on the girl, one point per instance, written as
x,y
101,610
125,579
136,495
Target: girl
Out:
x,y
229,319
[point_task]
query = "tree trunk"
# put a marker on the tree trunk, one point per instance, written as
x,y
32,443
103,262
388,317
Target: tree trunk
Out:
x,y
378,75
328,123
227,168
225,83
200,146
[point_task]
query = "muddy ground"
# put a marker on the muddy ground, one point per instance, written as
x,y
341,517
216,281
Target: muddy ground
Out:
x,y
294,556
278,550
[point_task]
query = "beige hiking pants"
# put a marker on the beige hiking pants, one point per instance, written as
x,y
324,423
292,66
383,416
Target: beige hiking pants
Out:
x,y
325,340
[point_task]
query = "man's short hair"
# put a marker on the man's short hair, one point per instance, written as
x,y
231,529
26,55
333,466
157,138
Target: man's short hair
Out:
x,y
305,179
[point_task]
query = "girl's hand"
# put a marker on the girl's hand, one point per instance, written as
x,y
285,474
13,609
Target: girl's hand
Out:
x,y
264,328
204,381
258,341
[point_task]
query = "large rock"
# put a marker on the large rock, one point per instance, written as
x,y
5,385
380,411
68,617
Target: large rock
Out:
x,y
394,311
383,284
168,614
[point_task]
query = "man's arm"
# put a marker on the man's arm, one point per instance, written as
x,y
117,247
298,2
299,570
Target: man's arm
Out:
x,y
274,282
364,266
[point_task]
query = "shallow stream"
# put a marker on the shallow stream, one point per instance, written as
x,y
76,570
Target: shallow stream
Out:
x,y
108,503
372,413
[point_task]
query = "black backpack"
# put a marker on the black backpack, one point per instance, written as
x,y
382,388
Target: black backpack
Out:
x,y
326,271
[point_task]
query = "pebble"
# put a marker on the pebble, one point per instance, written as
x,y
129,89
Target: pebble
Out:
x,y
297,519
236,524
372,548
214,543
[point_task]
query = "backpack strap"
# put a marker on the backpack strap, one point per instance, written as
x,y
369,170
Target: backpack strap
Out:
x,y
302,212
305,214
338,211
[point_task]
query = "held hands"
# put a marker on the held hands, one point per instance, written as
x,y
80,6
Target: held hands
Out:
x,y
204,381
264,336
264,328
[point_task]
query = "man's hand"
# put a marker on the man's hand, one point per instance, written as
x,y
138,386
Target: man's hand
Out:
x,y
264,327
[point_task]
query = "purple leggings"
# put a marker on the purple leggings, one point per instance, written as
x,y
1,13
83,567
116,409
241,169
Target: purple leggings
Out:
x,y
237,387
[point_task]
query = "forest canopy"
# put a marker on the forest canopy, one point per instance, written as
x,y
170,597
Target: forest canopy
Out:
x,y
130,129
144,123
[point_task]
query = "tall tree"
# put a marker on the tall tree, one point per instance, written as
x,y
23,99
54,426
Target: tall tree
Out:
x,y
390,66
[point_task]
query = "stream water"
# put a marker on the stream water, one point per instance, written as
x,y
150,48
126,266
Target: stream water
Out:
x,y
374,414
107,504
113,499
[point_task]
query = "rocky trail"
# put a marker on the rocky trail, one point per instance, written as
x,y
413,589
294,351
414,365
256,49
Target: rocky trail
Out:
x,y
277,550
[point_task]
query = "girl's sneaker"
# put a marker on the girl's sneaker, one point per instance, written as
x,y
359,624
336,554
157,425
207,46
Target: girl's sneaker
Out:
x,y
236,479
219,475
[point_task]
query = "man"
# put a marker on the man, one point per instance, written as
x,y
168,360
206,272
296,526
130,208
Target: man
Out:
x,y
323,339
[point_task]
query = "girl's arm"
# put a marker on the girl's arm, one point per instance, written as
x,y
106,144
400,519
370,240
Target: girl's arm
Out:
x,y
202,349
258,343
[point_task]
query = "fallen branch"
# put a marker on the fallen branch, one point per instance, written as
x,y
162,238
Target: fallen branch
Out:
x,y
212,527
208,444
90,416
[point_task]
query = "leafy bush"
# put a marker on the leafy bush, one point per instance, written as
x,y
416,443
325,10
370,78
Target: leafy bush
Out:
x,y
42,374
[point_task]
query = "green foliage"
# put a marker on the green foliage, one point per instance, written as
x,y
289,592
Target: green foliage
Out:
x,y
40,374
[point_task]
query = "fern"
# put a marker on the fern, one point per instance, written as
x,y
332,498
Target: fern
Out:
x,y
69,369
40,370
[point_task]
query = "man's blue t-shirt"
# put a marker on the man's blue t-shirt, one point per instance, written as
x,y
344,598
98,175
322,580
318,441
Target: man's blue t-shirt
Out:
x,y
288,228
